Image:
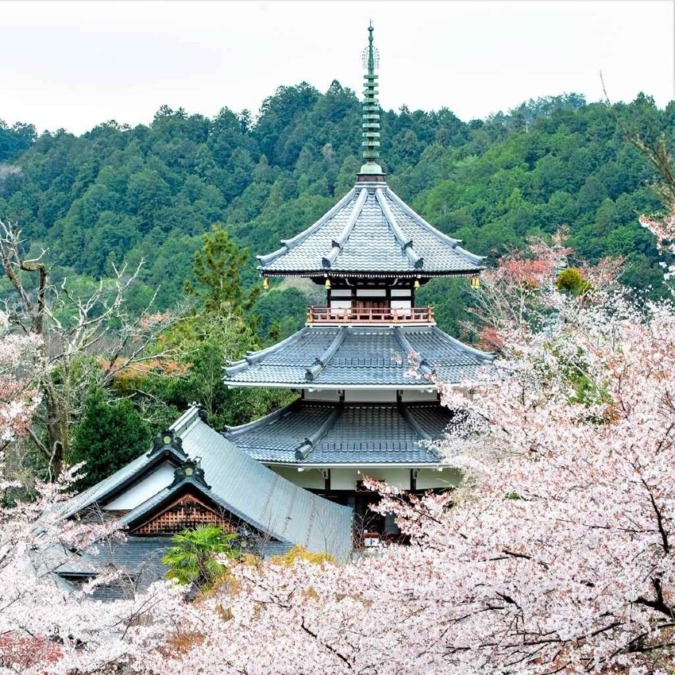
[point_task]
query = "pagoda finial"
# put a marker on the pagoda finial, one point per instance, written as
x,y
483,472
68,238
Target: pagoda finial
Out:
x,y
371,109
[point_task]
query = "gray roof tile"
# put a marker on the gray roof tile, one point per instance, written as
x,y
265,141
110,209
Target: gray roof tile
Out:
x,y
370,230
367,356
360,433
247,489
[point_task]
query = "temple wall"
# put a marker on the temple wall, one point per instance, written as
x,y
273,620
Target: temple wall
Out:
x,y
370,396
430,478
311,478
322,395
148,487
346,479
417,395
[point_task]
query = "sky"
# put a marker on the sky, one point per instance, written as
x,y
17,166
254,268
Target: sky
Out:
x,y
74,65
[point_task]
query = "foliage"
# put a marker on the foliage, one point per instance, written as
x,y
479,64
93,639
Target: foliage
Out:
x,y
300,553
575,574
86,339
111,433
571,280
217,267
197,556
201,343
15,139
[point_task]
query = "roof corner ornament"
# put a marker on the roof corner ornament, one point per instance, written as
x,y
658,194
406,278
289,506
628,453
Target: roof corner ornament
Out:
x,y
371,110
167,440
191,469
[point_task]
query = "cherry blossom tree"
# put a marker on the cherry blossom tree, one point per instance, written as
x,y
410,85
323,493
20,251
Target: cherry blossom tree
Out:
x,y
85,340
44,624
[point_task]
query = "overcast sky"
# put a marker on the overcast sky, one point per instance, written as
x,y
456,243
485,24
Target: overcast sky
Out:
x,y
76,64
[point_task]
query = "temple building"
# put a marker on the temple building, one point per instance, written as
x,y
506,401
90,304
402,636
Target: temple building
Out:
x,y
365,368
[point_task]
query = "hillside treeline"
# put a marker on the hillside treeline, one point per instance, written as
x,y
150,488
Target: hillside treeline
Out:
x,y
118,193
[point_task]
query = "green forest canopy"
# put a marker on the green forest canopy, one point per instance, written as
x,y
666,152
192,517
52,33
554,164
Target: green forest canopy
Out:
x,y
119,193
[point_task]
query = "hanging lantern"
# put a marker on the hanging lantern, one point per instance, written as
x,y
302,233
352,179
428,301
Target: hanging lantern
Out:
x,y
266,283
416,285
327,284
475,281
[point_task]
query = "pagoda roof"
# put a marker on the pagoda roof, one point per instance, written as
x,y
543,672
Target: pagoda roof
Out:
x,y
324,434
370,232
242,486
359,356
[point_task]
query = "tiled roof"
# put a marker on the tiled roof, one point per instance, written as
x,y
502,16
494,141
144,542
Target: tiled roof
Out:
x,y
370,230
330,433
247,489
325,356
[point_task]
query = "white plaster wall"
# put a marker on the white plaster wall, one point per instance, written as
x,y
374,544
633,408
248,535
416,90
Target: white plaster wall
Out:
x,y
345,479
430,478
371,293
310,478
416,395
401,293
331,395
370,395
340,304
148,487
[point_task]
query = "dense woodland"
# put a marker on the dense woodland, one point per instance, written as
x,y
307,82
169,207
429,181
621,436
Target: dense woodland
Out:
x,y
186,186
121,194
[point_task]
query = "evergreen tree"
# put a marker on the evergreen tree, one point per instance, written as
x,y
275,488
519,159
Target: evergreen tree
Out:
x,y
110,435
217,269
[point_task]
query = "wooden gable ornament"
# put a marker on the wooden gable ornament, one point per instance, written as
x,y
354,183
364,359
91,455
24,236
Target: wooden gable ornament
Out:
x,y
188,507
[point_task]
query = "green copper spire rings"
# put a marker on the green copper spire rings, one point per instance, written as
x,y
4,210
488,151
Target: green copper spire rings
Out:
x,y
371,109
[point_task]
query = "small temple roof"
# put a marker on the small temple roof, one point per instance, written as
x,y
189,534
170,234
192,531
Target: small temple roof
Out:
x,y
357,356
242,486
370,232
318,433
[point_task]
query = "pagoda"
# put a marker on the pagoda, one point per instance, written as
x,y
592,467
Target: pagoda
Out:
x,y
366,363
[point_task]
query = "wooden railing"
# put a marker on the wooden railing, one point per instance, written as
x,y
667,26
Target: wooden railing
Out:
x,y
370,315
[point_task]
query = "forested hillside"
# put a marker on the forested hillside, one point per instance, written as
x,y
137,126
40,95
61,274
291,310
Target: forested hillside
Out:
x,y
118,193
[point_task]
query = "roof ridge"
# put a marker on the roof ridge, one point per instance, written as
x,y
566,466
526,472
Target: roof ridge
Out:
x,y
417,427
253,357
320,362
303,450
423,364
338,244
186,419
406,244
233,431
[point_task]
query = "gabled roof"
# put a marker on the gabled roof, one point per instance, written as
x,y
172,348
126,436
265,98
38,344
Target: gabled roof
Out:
x,y
349,356
370,231
247,489
316,433
136,469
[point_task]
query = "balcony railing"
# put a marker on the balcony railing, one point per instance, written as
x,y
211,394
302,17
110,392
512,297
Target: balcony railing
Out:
x,y
370,315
